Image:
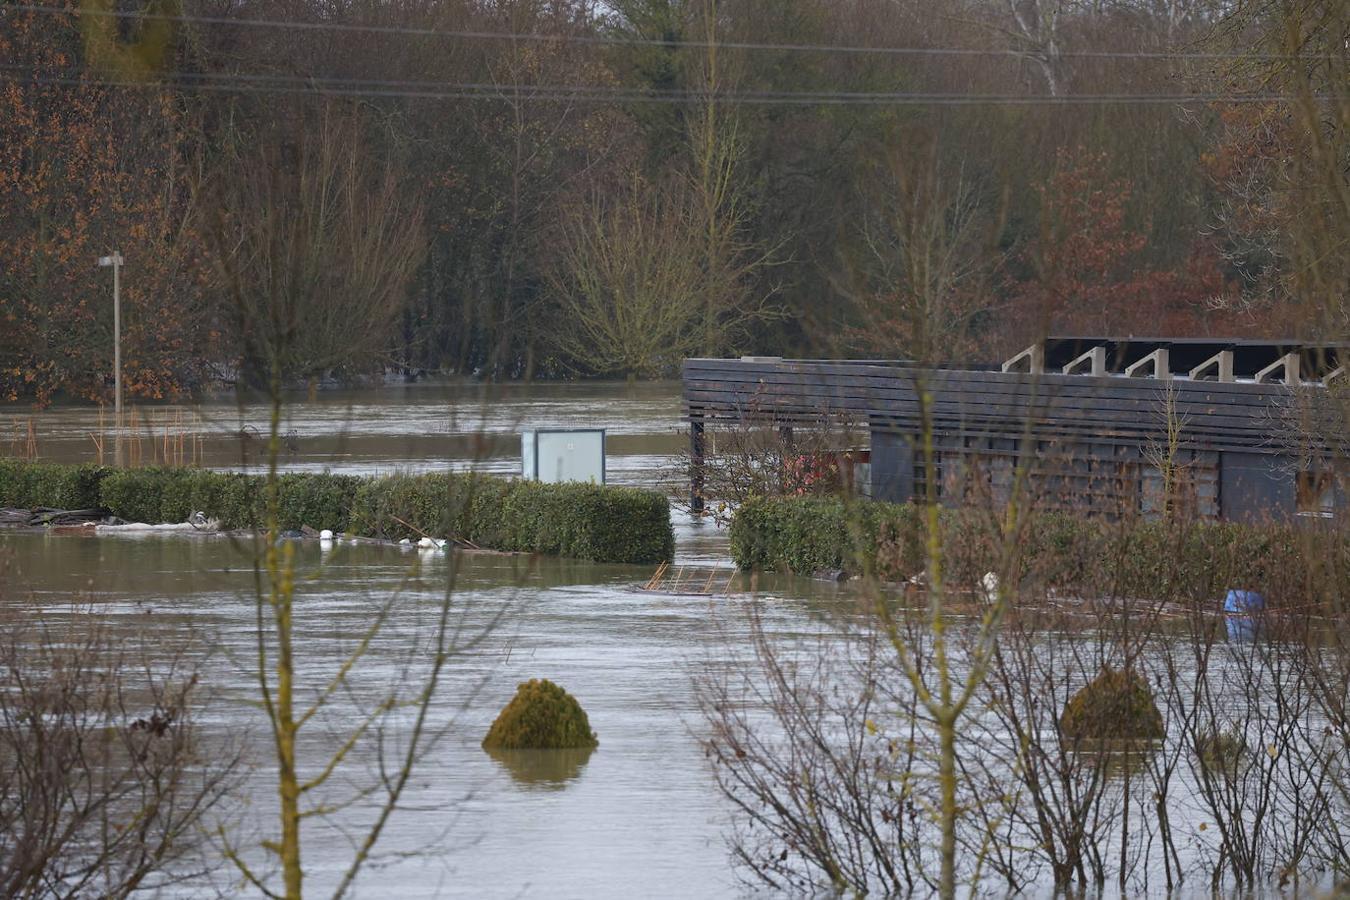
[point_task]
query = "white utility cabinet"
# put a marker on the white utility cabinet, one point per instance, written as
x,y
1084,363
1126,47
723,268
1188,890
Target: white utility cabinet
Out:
x,y
552,455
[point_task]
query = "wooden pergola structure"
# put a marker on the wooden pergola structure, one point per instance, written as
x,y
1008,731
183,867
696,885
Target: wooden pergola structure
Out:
x,y
1237,429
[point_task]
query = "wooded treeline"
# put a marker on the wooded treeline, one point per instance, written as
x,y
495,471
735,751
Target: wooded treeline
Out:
x,y
520,188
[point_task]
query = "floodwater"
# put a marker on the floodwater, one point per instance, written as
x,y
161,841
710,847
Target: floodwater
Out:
x,y
400,427
639,817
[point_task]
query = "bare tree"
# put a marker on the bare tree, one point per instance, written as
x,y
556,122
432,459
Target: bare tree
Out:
x,y
716,148
1165,453
919,280
1037,36
316,244
631,285
105,776
686,237
316,256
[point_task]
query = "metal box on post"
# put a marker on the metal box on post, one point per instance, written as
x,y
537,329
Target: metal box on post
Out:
x,y
554,455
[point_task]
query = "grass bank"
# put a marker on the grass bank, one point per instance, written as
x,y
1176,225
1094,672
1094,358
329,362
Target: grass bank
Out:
x,y
600,523
1197,560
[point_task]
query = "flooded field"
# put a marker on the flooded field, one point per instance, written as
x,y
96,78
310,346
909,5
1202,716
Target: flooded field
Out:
x,y
641,809
639,816
403,427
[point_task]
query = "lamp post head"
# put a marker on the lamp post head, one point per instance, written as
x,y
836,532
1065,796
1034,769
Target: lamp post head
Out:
x,y
114,260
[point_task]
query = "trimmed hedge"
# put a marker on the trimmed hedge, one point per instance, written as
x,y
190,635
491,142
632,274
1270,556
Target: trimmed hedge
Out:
x,y
173,494
611,524
28,485
1117,704
604,524
1198,560
541,716
814,534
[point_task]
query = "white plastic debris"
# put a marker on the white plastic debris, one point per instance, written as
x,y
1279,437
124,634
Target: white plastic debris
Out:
x,y
144,528
405,543
426,543
326,534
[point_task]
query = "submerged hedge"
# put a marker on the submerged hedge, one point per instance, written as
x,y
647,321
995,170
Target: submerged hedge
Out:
x,y
541,716
28,485
1196,560
601,523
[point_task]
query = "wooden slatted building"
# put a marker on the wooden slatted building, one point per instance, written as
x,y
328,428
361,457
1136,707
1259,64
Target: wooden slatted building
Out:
x,y
1223,429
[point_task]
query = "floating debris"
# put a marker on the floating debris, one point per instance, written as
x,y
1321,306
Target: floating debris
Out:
x,y
686,580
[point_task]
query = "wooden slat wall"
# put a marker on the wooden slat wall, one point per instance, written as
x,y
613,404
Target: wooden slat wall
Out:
x,y
986,403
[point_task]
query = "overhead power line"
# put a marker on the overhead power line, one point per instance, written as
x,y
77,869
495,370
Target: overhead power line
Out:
x,y
615,40
266,84
398,87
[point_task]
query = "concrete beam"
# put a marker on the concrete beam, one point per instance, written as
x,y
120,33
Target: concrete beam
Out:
x,y
1096,357
1030,360
1158,361
1288,362
1221,363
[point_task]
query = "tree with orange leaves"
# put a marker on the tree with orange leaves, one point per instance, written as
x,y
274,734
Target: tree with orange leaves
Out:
x,y
86,168
1089,273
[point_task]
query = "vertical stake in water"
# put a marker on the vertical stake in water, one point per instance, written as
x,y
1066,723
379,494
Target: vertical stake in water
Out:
x,y
696,454
115,260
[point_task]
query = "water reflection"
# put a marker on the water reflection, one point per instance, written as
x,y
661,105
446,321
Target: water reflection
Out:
x,y
543,769
1240,611
1116,757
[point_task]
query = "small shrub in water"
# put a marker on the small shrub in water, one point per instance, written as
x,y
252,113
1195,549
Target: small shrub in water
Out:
x,y
1220,752
1116,704
540,716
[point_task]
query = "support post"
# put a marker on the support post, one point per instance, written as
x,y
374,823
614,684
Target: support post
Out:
x,y
1158,361
1094,358
1286,367
696,455
1221,363
1031,360
115,260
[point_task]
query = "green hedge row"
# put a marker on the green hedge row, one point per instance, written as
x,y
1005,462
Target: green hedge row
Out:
x,y
584,521
25,485
1186,561
605,524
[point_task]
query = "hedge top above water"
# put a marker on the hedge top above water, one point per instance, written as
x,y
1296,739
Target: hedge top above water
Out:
x,y
594,522
541,716
1190,560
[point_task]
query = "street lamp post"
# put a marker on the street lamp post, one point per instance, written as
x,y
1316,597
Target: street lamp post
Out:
x,y
115,260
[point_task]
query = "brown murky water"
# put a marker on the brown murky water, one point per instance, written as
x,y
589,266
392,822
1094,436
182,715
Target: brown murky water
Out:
x,y
379,429
639,816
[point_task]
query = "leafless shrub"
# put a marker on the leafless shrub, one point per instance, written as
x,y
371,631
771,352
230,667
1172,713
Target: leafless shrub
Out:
x,y
1246,786
759,456
825,798
1068,805
104,776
